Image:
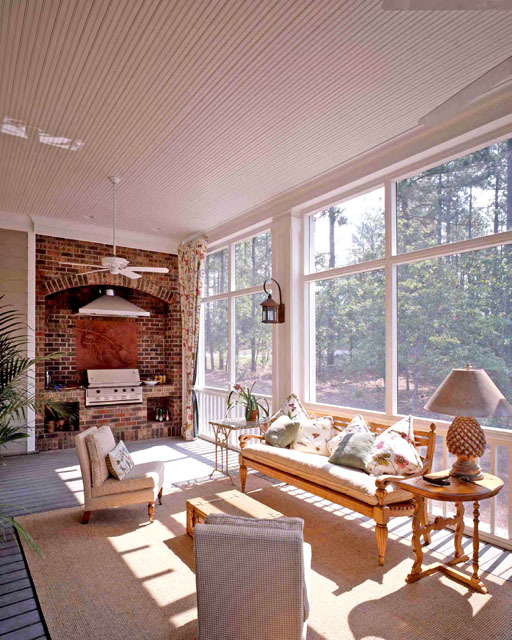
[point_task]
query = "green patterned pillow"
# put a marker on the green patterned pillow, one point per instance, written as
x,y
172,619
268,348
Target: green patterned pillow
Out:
x,y
282,432
119,461
353,450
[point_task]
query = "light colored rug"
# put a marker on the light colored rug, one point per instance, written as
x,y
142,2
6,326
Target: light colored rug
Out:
x,y
121,578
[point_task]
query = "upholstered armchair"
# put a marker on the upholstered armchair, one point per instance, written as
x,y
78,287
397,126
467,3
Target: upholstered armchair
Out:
x,y
252,578
143,484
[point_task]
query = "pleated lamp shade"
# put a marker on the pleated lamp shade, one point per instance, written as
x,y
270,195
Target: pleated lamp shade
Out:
x,y
469,392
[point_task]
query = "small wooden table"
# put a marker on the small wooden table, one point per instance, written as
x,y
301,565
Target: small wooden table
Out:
x,y
458,492
222,429
232,503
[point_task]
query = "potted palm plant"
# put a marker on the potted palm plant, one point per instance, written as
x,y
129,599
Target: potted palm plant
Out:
x,y
243,396
17,396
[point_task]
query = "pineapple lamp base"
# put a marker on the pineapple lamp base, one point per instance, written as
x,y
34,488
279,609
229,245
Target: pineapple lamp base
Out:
x,y
466,440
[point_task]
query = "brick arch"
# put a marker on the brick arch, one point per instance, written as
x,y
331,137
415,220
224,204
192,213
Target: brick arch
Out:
x,y
105,278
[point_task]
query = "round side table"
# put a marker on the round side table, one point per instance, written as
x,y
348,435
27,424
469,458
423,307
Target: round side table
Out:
x,y
458,492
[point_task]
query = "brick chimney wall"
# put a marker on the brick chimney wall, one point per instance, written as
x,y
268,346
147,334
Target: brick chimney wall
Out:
x,y
60,290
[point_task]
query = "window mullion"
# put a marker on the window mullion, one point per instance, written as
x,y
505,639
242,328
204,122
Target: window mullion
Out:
x,y
231,316
391,309
452,248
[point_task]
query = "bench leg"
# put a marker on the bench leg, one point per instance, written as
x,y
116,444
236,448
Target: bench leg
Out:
x,y
86,517
243,477
160,495
381,533
151,511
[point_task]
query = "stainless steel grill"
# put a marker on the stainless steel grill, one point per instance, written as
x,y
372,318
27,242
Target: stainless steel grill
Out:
x,y
113,386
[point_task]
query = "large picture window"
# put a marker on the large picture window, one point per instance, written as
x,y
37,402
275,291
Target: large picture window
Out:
x,y
468,197
348,233
350,340
237,347
392,304
453,310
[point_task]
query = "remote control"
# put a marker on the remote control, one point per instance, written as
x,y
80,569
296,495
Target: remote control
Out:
x,y
441,481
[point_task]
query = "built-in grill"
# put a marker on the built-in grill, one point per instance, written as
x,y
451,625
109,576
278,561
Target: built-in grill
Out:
x,y
113,386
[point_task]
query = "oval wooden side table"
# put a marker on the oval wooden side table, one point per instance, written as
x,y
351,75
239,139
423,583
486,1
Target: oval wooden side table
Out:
x,y
458,492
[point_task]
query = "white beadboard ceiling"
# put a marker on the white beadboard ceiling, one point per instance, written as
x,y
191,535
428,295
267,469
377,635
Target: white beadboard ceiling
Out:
x,y
208,108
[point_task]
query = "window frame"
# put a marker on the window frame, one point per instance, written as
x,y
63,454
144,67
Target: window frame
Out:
x,y
390,263
230,295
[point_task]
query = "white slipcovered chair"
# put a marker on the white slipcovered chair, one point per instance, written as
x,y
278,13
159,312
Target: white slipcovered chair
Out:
x,y
143,484
252,578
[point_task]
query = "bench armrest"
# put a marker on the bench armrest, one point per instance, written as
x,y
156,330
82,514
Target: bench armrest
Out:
x,y
245,437
382,483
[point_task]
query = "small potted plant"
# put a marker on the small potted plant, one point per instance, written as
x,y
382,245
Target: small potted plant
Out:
x,y
243,396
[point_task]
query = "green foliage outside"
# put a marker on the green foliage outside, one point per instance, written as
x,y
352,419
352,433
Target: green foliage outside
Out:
x,y
451,310
253,340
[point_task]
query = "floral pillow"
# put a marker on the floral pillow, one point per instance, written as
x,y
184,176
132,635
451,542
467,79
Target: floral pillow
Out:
x,y
394,451
313,436
292,408
119,461
356,425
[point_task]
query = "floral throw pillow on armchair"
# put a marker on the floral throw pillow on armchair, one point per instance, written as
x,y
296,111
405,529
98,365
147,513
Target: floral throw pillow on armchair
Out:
x,y
394,451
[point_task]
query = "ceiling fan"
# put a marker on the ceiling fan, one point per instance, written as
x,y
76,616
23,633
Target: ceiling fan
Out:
x,y
115,264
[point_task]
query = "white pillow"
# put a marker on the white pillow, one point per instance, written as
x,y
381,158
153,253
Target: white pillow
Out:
x,y
313,436
119,461
356,425
394,451
292,408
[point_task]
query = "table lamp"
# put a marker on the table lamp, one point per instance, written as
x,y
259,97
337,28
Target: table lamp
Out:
x,y
463,393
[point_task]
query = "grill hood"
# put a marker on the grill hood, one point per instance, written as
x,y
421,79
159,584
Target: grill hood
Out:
x,y
112,305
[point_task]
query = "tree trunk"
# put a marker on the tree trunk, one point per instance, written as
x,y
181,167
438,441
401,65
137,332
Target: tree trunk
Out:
x,y
496,203
470,219
332,252
439,221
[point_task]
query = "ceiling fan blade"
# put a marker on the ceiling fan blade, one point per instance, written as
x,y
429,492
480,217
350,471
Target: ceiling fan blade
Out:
x,y
130,274
80,264
86,273
150,269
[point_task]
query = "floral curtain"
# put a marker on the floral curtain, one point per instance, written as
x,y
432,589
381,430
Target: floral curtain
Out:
x,y
191,262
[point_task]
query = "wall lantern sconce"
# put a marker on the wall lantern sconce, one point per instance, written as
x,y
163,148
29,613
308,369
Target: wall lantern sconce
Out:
x,y
272,312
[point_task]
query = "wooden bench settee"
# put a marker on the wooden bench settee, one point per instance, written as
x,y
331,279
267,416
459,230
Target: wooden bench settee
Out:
x,y
378,506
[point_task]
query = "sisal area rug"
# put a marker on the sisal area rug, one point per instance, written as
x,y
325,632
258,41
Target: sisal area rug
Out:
x,y
120,578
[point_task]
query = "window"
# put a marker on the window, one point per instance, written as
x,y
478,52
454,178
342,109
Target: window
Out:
x,y
443,309
452,310
216,344
253,261
462,199
348,233
253,344
217,272
237,346
350,340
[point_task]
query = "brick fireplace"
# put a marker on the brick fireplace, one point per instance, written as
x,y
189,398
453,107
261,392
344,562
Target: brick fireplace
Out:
x,y
60,291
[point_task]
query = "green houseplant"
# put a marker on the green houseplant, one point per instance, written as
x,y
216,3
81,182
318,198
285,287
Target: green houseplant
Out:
x,y
17,395
243,396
